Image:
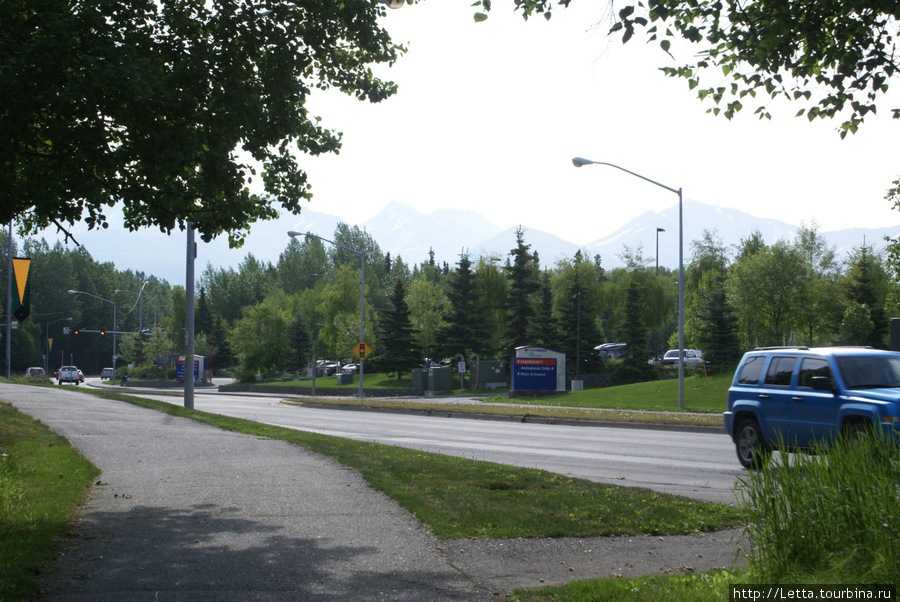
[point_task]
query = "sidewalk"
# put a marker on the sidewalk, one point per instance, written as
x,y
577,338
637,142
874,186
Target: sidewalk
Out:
x,y
184,511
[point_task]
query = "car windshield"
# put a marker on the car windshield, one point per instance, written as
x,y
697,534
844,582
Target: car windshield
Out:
x,y
870,372
673,353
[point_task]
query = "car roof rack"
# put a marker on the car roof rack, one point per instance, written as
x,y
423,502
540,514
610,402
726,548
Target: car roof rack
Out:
x,y
776,347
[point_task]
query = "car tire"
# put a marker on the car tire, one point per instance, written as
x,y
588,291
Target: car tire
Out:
x,y
752,451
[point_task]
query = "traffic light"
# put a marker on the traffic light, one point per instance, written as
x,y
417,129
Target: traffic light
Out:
x,y
102,333
75,331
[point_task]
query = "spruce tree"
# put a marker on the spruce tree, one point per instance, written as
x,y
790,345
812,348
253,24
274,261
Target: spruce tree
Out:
x,y
398,351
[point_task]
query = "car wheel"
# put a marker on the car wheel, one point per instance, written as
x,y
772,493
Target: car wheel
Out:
x,y
751,449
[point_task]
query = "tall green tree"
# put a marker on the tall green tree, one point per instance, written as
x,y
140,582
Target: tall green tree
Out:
x,y
634,367
259,338
427,306
866,285
522,274
299,349
169,108
766,289
717,324
398,351
466,330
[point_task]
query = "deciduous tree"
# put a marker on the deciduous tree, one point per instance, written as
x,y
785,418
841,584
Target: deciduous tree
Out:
x,y
167,107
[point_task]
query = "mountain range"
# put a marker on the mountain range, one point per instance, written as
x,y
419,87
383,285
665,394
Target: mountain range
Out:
x,y
405,232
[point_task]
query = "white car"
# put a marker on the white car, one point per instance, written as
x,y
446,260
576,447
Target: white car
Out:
x,y
692,357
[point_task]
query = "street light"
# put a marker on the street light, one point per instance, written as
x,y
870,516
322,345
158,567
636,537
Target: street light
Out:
x,y
47,357
362,293
578,162
658,230
114,321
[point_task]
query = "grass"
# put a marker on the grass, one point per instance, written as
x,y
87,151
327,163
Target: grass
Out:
x,y
43,482
649,403
701,394
713,585
828,517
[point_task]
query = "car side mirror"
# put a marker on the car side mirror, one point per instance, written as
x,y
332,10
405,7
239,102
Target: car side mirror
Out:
x,y
822,383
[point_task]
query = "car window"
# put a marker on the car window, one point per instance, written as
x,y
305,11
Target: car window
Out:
x,y
870,372
780,370
810,367
751,370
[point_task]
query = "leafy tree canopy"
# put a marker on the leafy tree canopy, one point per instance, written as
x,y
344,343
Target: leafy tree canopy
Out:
x,y
166,107
835,55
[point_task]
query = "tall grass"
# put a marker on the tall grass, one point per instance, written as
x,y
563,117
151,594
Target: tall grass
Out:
x,y
828,517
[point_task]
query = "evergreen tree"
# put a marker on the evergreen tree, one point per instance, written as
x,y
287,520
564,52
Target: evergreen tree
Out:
x,y
866,286
203,316
466,330
299,346
634,367
543,331
717,325
522,275
398,350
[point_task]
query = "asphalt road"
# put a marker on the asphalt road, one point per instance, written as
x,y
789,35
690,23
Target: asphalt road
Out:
x,y
698,463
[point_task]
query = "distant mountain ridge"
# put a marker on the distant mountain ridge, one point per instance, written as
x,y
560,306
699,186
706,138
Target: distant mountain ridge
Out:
x,y
405,232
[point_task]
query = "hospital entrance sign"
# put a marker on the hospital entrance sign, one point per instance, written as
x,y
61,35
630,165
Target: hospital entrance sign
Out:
x,y
538,369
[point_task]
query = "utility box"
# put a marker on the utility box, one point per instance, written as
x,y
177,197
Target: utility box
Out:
x,y
491,374
419,379
345,379
439,378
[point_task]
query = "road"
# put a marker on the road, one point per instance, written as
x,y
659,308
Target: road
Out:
x,y
700,465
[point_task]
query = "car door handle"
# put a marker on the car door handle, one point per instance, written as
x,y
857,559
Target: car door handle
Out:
x,y
796,399
763,396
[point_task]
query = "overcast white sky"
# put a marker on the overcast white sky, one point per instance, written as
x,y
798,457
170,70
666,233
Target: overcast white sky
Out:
x,y
489,115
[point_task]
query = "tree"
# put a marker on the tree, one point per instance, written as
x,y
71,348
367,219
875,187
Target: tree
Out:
x,y
168,107
299,346
836,55
427,304
466,330
766,289
634,367
866,285
260,337
523,281
398,351
716,331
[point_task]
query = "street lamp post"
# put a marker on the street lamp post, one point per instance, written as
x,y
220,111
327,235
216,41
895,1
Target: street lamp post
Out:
x,y
578,162
362,293
47,357
658,230
114,357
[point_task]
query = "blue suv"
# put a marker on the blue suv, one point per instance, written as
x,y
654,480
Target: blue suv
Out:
x,y
799,395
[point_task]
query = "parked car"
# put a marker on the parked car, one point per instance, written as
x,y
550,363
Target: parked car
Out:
x,y
109,373
69,374
803,396
35,373
608,351
692,357
350,369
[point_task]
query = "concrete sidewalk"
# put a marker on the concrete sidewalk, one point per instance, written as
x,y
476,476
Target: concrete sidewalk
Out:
x,y
184,511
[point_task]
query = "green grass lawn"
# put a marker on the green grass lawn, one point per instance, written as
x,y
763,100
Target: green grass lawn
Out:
x,y
43,482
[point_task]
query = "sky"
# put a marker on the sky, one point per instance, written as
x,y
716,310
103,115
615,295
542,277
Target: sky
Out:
x,y
489,115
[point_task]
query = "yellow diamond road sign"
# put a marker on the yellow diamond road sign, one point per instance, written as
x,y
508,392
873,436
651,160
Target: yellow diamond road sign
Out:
x,y
362,350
